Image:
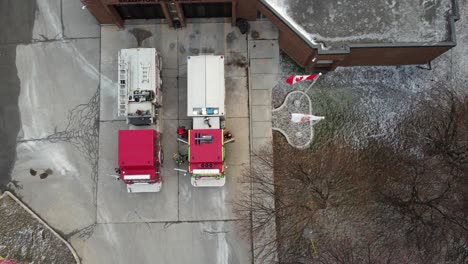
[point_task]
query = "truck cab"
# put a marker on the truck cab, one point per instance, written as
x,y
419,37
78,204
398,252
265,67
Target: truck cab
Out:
x,y
140,159
206,157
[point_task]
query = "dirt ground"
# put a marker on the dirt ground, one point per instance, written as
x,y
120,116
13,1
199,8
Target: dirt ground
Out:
x,y
26,240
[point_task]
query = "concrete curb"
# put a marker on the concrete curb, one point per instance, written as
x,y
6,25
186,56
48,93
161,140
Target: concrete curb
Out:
x,y
25,207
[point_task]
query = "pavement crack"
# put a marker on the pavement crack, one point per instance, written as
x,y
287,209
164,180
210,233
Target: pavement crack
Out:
x,y
61,19
167,225
84,233
82,132
215,232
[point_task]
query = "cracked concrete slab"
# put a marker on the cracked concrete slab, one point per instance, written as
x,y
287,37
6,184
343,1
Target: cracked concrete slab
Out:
x,y
55,77
263,81
236,64
78,22
170,98
262,29
213,38
197,204
237,97
235,41
198,38
58,137
261,113
261,97
65,198
182,85
261,129
114,39
260,143
270,66
263,49
198,243
48,21
264,69
237,153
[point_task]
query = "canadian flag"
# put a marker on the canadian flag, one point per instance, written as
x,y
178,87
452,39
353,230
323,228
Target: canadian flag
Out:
x,y
297,78
301,118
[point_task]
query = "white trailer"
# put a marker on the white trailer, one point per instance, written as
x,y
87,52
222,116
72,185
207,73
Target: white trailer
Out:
x,y
139,85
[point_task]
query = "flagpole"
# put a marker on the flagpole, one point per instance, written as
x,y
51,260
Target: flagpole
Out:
x,y
313,82
310,86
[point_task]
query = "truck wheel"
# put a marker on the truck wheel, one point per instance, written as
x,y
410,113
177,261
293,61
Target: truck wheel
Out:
x,y
161,156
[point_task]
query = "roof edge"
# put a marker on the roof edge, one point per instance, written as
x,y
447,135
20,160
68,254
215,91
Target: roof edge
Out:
x,y
319,46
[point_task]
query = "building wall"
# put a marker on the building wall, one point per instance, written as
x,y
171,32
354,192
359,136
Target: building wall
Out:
x,y
247,9
392,56
105,13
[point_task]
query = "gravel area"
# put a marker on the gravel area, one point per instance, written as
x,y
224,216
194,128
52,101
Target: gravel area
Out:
x,y
298,135
25,239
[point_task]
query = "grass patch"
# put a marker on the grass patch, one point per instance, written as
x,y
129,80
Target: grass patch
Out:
x,y
339,111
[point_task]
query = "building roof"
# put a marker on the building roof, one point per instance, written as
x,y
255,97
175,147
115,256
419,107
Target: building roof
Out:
x,y
335,24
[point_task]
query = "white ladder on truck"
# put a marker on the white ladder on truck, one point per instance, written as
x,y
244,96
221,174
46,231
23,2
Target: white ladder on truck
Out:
x,y
123,88
145,69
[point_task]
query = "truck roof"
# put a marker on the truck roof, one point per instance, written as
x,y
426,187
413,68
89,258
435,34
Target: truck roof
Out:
x,y
206,149
205,85
136,148
141,63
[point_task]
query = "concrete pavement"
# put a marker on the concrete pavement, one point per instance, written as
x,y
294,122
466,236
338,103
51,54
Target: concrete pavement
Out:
x,y
58,103
264,68
159,225
263,75
67,75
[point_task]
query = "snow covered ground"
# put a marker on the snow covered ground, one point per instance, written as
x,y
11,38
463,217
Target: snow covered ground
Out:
x,y
336,23
366,102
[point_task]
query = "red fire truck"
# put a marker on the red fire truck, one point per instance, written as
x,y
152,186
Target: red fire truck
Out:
x,y
205,104
139,101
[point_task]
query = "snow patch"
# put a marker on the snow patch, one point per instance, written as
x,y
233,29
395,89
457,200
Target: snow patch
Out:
x,y
333,24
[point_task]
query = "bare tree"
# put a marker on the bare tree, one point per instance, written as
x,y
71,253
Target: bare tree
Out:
x,y
389,202
426,187
303,185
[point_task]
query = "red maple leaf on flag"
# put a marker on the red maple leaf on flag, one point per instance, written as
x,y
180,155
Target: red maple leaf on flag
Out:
x,y
297,78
